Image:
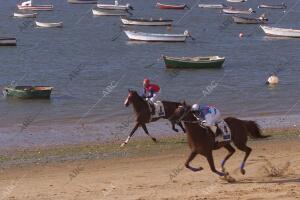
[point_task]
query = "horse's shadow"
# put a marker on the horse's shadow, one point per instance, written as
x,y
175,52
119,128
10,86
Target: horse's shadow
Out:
x,y
279,181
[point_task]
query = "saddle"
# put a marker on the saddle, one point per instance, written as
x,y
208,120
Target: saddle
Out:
x,y
223,132
157,109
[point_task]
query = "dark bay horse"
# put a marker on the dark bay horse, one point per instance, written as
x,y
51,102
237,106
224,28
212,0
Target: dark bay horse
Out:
x,y
202,140
143,115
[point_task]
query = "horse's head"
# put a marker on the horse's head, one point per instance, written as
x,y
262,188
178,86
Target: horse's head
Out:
x,y
132,95
181,112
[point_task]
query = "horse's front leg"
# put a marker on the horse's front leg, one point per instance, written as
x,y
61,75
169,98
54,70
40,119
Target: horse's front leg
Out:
x,y
211,163
190,158
181,126
146,131
130,135
173,127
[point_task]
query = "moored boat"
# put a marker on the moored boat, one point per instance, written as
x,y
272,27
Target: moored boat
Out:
x,y
146,22
281,32
109,12
24,15
194,62
8,41
213,6
171,6
49,24
40,92
82,1
236,11
236,1
27,5
156,37
247,20
115,6
273,6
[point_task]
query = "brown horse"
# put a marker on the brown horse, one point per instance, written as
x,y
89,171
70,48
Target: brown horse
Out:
x,y
202,140
143,115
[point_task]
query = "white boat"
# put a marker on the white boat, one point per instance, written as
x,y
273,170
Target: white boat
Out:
x,y
108,12
273,6
214,6
146,22
115,6
236,1
281,32
25,15
49,25
5,41
27,5
155,37
236,11
82,1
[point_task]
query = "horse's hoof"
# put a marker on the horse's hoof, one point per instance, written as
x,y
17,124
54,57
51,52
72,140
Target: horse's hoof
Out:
x,y
195,169
176,130
243,171
223,169
229,178
154,139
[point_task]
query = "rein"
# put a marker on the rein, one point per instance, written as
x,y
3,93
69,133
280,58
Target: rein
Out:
x,y
191,122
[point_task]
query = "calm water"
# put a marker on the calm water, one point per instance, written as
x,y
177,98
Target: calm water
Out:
x,y
90,53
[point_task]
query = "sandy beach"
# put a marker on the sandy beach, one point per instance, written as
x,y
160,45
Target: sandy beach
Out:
x,y
144,170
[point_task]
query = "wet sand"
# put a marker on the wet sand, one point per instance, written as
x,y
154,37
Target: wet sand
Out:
x,y
147,171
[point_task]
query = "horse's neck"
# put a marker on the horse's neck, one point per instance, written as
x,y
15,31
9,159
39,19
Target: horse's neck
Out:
x,y
139,105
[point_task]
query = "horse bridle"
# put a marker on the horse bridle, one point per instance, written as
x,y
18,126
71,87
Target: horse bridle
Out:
x,y
184,115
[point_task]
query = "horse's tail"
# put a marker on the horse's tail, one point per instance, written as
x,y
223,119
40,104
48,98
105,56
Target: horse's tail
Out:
x,y
254,130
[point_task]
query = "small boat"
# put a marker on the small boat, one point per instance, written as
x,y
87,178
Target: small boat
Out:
x,y
155,37
194,62
6,41
146,22
82,1
247,20
280,6
281,32
236,11
27,5
171,6
236,1
31,92
49,25
24,15
115,6
109,12
214,6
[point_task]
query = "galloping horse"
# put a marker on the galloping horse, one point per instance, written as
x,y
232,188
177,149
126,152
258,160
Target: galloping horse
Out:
x,y
143,115
202,140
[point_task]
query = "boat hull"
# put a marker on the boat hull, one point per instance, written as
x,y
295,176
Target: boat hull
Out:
x,y
8,41
212,6
167,6
138,22
245,20
49,25
272,6
82,1
108,12
25,15
281,32
232,11
37,8
27,92
172,62
113,7
152,37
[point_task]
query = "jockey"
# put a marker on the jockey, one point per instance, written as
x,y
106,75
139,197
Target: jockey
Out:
x,y
151,91
207,115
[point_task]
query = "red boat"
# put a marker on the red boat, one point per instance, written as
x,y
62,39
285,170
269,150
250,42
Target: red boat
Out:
x,y
171,6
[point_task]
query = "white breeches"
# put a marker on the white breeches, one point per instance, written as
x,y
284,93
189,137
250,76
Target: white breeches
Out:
x,y
213,117
155,97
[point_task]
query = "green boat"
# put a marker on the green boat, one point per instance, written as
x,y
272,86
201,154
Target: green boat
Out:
x,y
28,92
194,62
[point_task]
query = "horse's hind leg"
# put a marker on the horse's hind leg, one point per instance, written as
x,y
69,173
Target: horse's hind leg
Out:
x,y
146,131
190,158
231,151
130,135
173,127
211,163
247,150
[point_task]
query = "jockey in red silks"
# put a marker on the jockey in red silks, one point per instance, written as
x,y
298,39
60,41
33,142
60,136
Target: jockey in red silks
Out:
x,y
151,91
